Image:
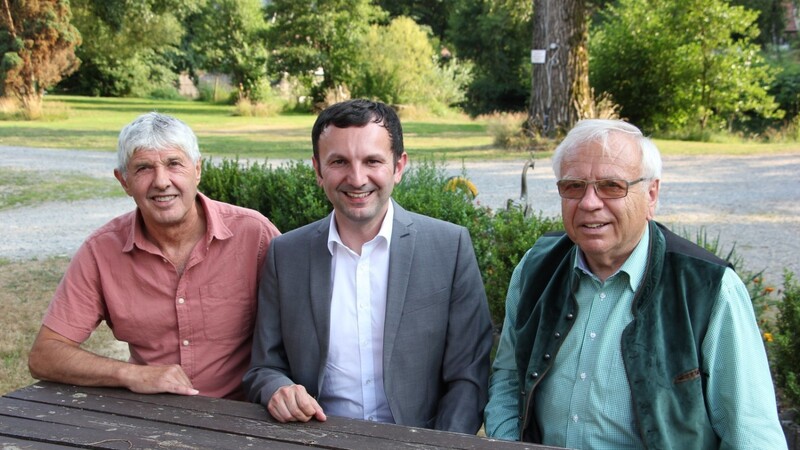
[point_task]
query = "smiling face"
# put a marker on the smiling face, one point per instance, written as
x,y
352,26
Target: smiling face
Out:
x,y
607,230
163,183
357,170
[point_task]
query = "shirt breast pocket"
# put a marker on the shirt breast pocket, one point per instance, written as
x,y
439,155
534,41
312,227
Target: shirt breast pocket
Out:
x,y
228,310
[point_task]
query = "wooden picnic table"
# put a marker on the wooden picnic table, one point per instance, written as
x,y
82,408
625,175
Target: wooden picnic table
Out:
x,y
57,416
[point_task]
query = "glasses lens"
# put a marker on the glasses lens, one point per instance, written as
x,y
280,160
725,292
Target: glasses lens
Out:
x,y
611,188
571,188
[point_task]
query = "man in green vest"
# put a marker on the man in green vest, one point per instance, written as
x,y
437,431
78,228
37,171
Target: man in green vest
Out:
x,y
620,334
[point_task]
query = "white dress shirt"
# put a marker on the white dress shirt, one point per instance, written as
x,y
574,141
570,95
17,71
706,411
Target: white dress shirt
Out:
x,y
353,380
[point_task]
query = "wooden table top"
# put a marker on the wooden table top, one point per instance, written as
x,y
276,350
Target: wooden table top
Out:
x,y
56,416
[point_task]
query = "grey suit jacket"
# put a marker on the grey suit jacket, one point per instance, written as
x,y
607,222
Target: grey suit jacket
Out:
x,y
437,335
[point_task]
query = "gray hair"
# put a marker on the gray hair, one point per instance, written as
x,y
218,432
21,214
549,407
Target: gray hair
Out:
x,y
155,131
601,130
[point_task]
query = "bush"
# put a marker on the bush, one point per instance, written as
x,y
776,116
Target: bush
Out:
x,y
785,345
290,197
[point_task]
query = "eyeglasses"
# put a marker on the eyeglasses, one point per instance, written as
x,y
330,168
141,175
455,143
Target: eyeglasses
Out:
x,y
608,188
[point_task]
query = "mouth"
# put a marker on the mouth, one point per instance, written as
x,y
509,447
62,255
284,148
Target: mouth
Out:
x,y
358,195
594,226
164,198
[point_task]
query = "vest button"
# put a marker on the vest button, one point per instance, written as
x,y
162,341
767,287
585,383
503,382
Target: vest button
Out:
x,y
570,316
557,335
535,375
547,356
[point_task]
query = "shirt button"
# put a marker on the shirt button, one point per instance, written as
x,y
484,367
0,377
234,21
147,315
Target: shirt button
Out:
x,y
185,343
602,295
181,300
583,376
575,418
592,335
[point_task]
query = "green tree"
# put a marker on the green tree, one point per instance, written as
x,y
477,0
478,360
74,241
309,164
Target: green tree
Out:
x,y
305,36
229,36
771,19
667,79
130,47
399,65
37,48
432,13
495,36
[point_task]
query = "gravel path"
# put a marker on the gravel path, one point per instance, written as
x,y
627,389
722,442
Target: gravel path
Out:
x,y
753,201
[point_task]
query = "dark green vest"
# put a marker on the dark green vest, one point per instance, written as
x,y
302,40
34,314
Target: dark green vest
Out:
x,y
661,347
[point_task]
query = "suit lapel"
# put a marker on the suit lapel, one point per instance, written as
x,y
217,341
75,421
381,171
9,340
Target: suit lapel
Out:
x,y
404,237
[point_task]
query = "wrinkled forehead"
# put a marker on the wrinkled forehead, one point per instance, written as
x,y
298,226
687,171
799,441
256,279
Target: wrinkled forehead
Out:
x,y
614,148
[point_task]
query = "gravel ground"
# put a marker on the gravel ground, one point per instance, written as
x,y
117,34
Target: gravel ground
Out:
x,y
753,201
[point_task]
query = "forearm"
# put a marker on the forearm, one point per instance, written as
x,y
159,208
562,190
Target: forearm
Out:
x,y
53,360
56,358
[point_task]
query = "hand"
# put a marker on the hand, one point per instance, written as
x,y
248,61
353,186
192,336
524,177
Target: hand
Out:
x,y
293,404
156,379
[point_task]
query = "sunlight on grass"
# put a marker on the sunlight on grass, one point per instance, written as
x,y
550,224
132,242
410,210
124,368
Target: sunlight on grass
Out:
x,y
94,123
28,187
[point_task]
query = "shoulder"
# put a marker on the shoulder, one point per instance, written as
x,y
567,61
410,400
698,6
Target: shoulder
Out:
x,y
116,230
426,223
303,233
237,215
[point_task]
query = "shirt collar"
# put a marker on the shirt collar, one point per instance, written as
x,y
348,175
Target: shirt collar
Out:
x,y
634,266
384,233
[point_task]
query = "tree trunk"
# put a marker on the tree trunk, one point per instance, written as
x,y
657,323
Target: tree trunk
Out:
x,y
560,93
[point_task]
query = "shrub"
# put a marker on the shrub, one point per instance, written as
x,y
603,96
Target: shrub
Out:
x,y
785,345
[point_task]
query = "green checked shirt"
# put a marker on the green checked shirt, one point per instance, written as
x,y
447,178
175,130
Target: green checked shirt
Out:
x,y
585,401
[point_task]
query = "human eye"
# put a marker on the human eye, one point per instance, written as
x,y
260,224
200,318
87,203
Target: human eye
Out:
x,y
612,186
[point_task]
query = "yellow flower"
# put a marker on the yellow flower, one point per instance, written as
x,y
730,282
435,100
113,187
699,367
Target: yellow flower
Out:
x,y
768,289
463,184
768,337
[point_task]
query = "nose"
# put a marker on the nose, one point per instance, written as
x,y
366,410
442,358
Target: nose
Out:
x,y
590,200
161,177
357,175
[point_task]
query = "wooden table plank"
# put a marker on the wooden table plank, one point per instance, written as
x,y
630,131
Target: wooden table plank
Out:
x,y
244,419
69,425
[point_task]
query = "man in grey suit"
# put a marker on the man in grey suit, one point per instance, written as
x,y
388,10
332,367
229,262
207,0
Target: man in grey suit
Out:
x,y
374,312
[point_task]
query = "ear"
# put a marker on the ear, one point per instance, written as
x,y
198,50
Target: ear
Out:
x,y
199,169
399,167
122,181
317,170
652,198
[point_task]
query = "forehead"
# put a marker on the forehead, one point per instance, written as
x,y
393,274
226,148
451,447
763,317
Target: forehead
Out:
x,y
617,154
372,136
161,154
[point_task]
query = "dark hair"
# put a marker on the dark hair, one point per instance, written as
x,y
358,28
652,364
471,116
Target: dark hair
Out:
x,y
358,113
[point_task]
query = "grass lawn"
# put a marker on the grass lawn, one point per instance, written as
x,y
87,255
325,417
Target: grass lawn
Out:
x,y
94,123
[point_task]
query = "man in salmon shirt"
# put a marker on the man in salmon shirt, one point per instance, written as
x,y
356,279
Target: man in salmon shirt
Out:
x,y
176,279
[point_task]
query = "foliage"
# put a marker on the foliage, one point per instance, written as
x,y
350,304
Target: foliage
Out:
x,y
771,20
495,36
323,35
289,196
37,48
399,66
664,78
785,347
130,47
431,13
229,36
